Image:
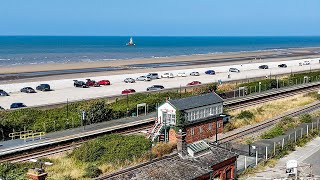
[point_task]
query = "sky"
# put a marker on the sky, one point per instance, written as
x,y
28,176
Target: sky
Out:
x,y
160,18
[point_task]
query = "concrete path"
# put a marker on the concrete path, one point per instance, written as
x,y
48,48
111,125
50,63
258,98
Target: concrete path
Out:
x,y
307,155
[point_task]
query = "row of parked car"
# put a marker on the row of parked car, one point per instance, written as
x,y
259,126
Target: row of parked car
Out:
x,y
91,83
41,87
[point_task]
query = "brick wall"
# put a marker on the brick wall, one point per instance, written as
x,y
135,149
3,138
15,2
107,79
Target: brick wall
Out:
x,y
202,131
172,135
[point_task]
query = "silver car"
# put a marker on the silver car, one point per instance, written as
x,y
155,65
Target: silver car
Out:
x,y
143,78
129,80
234,70
194,74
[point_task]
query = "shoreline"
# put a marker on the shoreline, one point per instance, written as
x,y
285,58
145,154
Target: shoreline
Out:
x,y
127,62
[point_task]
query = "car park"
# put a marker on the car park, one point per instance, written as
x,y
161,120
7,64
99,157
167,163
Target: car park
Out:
x,y
153,75
17,105
263,67
81,84
210,72
128,91
43,87
143,78
193,83
104,82
3,93
129,80
155,88
167,75
306,63
234,70
92,83
27,90
282,65
194,74
181,74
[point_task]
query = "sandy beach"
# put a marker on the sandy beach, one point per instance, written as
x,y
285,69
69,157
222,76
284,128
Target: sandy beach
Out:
x,y
63,88
195,61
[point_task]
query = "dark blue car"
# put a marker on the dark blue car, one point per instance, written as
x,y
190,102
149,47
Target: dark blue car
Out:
x,y
211,72
17,105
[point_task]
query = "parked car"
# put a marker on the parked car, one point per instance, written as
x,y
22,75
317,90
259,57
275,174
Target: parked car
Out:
x,y
82,84
104,82
194,74
155,88
234,70
3,93
17,105
263,67
1,108
282,65
193,83
143,78
27,90
43,87
181,74
211,72
92,83
167,75
128,91
306,63
153,75
129,80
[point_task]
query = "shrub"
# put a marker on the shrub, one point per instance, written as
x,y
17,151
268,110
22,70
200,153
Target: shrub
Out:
x,y
163,148
90,151
245,115
67,177
273,132
305,118
92,171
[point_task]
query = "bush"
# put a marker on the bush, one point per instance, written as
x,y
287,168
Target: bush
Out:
x,y
305,118
67,177
113,148
245,115
90,151
92,171
163,148
273,132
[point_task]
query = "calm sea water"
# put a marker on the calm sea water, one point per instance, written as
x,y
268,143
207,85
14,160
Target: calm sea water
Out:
x,y
15,50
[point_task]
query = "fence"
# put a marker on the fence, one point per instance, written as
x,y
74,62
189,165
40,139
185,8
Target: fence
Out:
x,y
263,150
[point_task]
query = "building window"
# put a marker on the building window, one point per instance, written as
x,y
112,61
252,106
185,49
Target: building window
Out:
x,y
210,127
192,131
173,119
200,129
219,125
197,114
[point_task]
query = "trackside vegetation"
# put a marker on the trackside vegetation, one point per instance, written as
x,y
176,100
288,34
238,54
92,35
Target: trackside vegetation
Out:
x,y
60,118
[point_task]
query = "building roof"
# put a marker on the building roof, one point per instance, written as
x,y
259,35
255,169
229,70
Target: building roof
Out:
x,y
168,168
196,101
174,167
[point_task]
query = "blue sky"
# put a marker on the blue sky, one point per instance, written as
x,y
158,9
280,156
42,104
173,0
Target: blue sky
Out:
x,y
160,18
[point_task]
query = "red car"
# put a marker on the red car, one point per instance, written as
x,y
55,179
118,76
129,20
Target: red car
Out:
x,y
128,91
104,82
92,83
193,83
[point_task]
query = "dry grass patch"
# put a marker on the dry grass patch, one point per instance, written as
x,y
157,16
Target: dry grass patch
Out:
x,y
226,87
267,110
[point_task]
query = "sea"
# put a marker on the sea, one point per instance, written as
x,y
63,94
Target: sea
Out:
x,y
20,50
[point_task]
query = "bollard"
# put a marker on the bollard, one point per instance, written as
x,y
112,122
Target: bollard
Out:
x,y
301,132
295,136
317,123
307,130
266,152
282,145
274,148
257,157
245,162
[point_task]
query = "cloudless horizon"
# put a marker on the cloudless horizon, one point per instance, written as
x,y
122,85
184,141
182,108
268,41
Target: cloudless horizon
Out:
x,y
160,18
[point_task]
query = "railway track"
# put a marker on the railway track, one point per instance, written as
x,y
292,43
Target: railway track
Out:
x,y
267,124
66,146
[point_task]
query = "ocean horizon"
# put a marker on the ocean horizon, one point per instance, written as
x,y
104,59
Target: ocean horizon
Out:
x,y
22,50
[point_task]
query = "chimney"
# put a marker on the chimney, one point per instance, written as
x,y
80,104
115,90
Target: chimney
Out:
x,y
181,143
